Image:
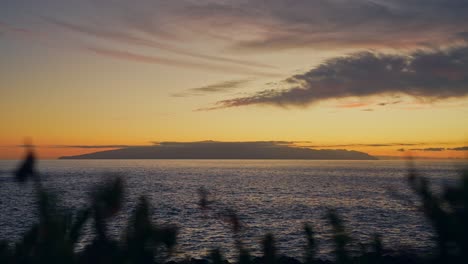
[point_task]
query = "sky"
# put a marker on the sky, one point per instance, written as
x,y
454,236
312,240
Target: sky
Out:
x,y
387,77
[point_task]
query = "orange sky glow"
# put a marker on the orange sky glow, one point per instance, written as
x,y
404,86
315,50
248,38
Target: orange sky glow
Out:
x,y
85,76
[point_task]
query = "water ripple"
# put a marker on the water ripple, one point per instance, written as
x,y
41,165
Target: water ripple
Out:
x,y
269,196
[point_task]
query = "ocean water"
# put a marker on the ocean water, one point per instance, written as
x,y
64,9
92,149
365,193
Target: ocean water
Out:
x,y
269,196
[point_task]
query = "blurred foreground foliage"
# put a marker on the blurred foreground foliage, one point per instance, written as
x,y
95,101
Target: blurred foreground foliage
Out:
x,y
54,238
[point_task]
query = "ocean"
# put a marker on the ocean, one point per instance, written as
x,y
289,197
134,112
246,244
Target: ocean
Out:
x,y
269,196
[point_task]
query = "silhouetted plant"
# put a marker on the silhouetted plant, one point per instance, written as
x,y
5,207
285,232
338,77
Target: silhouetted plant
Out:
x,y
216,257
244,256
448,215
269,249
226,214
340,237
6,254
53,238
143,239
105,202
311,248
203,201
27,168
378,247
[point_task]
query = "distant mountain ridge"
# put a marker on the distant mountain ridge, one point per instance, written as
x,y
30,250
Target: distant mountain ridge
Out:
x,y
224,150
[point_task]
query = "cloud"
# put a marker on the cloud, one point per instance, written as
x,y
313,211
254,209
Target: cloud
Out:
x,y
129,38
463,35
364,145
220,87
92,146
434,74
77,146
258,25
325,24
130,56
352,105
221,143
21,31
390,103
429,149
465,148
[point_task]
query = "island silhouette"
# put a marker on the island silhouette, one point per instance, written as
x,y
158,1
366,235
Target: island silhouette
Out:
x,y
224,150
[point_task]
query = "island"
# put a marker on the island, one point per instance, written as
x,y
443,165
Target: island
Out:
x,y
225,150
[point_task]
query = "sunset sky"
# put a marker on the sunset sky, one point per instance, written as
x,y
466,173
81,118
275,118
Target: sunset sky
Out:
x,y
387,77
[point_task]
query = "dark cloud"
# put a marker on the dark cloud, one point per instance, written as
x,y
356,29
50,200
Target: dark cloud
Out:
x,y
425,149
463,35
432,74
428,149
389,103
365,145
220,87
465,148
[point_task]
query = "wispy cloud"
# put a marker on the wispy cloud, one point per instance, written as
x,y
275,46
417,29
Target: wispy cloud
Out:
x,y
221,87
325,24
364,145
390,103
79,146
130,56
352,105
434,74
8,28
92,146
126,37
465,148
259,26
428,149
256,25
